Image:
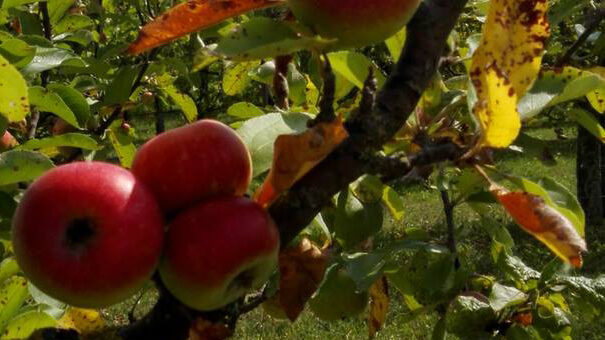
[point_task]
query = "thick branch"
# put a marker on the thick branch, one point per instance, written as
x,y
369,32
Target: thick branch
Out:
x,y
427,34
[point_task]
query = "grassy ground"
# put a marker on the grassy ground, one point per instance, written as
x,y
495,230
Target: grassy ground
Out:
x,y
424,210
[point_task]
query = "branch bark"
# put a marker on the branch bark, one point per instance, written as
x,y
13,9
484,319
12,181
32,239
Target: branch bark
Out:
x,y
427,34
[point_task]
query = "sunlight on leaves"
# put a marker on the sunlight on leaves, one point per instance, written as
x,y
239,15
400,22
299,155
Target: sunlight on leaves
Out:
x,y
85,321
379,305
543,222
506,64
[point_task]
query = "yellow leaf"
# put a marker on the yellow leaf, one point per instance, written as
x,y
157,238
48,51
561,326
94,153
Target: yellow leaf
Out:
x,y
379,305
506,64
85,321
296,155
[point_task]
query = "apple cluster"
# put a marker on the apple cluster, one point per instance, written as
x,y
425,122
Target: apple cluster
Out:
x,y
92,233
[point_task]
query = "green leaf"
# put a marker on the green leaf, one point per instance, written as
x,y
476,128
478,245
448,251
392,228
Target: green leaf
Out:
x,y
558,86
74,100
587,289
25,324
503,297
20,166
76,140
395,43
122,143
354,67
394,202
263,38
119,90
13,293
183,101
8,268
469,316
71,23
563,9
366,268
14,103
354,221
6,4
589,122
516,269
260,133
244,110
518,332
17,52
235,78
42,298
51,102
57,9
47,58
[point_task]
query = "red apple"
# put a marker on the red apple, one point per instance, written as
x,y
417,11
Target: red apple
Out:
x,y
188,164
7,141
355,23
88,233
217,251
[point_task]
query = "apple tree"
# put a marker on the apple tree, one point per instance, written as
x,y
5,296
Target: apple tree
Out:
x,y
275,137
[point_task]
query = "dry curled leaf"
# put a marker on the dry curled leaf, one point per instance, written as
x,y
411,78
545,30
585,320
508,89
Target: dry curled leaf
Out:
x,y
301,268
506,64
544,222
379,305
85,321
202,329
191,16
295,155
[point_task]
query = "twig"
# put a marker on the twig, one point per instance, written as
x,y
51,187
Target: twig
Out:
x,y
326,103
159,117
45,75
280,82
427,34
448,208
593,25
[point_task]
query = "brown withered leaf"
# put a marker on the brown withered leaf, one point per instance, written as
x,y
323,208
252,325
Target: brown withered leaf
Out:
x,y
544,222
379,305
301,268
295,155
202,329
191,16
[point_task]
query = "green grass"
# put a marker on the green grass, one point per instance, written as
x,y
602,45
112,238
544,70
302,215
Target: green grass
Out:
x,y
424,211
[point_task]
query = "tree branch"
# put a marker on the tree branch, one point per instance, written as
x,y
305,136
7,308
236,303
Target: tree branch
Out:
x,y
427,34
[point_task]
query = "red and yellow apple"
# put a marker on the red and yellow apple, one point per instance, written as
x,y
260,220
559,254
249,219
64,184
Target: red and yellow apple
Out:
x,y
217,251
355,23
7,141
88,233
188,164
